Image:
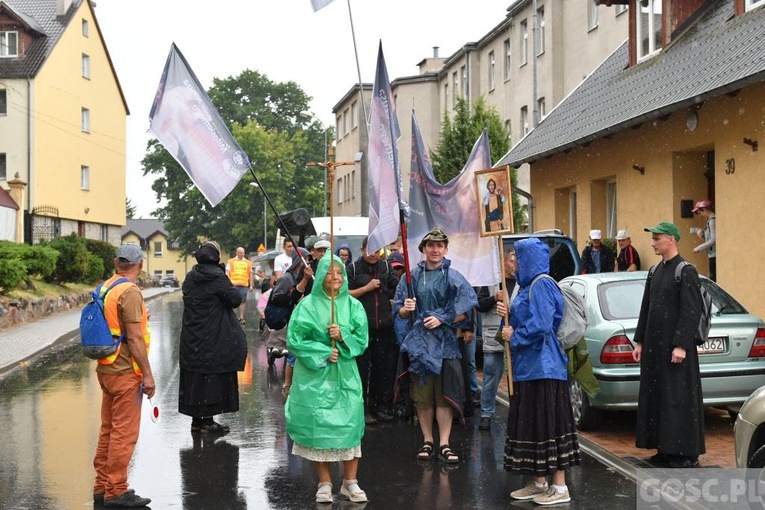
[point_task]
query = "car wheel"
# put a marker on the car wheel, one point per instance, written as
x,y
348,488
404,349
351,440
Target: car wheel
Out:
x,y
757,460
586,417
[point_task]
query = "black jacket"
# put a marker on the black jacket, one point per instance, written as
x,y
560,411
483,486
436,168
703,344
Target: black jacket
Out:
x,y
377,302
212,341
606,260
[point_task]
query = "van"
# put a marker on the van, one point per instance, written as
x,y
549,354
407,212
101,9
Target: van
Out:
x,y
350,230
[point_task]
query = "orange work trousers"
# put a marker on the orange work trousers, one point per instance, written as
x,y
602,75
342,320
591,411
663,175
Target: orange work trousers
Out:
x,y
120,424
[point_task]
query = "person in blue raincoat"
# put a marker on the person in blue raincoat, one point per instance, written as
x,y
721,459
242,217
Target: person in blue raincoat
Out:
x,y
325,409
443,298
541,433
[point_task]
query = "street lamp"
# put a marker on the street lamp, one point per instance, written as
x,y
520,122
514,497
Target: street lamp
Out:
x,y
313,115
265,217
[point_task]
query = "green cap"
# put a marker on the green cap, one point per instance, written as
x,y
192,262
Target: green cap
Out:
x,y
665,227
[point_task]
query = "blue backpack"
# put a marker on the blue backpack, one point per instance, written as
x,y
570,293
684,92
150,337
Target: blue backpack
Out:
x,y
97,339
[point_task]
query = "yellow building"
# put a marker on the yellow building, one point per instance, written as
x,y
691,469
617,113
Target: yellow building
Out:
x,y
163,255
672,117
62,120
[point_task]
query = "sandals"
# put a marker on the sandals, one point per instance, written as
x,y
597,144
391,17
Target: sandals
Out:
x,y
447,455
426,451
324,494
352,491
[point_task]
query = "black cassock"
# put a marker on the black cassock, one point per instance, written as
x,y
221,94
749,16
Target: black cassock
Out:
x,y
670,409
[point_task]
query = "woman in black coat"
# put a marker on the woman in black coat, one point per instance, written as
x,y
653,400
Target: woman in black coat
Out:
x,y
213,344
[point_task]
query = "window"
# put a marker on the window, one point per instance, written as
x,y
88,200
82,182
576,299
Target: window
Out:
x,y
353,183
85,28
158,273
337,127
354,115
524,120
572,213
345,122
85,178
507,59
751,4
524,42
85,66
339,187
592,14
509,129
85,120
463,73
3,102
446,97
456,87
611,209
542,108
491,71
541,30
620,9
9,44
3,168
158,251
648,28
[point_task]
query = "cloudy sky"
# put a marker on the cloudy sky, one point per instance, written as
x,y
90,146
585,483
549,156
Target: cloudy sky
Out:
x,y
283,39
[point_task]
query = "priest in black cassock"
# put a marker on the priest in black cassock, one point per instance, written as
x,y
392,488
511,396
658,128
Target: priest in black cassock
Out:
x,y
670,409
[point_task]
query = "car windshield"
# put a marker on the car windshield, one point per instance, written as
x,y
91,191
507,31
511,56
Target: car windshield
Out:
x,y
622,299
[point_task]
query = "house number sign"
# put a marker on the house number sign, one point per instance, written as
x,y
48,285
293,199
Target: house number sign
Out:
x,y
730,166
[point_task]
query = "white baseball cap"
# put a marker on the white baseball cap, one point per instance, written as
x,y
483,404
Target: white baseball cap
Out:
x,y
596,234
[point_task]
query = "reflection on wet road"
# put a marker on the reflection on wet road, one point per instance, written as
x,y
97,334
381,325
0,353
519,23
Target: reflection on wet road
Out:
x,y
49,418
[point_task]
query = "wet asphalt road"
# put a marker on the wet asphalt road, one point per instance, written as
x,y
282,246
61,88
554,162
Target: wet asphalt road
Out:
x,y
49,420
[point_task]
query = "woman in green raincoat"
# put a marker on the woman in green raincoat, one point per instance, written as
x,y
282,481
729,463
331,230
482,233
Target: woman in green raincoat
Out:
x,y
325,408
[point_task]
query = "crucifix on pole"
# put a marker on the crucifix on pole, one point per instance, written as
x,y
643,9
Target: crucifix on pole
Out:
x,y
329,166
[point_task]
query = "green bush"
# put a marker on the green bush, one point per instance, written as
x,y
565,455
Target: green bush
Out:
x,y
95,269
72,264
12,273
104,251
38,260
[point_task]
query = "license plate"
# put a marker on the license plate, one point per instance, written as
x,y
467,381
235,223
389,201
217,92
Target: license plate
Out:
x,y
712,346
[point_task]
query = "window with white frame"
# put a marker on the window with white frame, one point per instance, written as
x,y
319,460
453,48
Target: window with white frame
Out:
x,y
540,30
542,108
338,132
3,102
85,178
524,42
648,28
85,66
158,251
85,28
353,183
339,188
9,44
509,129
354,115
446,97
592,14
751,4
492,82
105,233
621,9
611,221
508,60
3,167
346,129
572,213
524,120
85,120
464,75
456,89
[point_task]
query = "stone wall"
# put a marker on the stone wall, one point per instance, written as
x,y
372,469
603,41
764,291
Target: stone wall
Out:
x,y
18,311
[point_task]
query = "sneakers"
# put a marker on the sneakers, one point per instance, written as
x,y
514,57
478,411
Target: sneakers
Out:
x,y
531,491
477,399
552,497
127,499
485,423
324,494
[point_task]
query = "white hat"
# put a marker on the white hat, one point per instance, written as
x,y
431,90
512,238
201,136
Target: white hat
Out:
x,y
596,234
321,243
622,234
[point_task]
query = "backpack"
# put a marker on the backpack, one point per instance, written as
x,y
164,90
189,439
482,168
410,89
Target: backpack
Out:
x,y
574,322
705,321
95,335
279,306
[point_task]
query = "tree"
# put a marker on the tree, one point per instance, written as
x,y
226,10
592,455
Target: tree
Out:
x,y
458,135
130,209
267,120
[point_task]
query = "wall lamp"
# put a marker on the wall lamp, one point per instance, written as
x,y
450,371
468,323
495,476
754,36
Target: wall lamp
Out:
x,y
752,143
639,168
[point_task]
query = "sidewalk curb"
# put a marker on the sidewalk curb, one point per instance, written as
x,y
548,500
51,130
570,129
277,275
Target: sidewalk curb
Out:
x,y
22,364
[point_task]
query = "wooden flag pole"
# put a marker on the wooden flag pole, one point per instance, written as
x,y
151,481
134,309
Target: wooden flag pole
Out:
x,y
330,166
503,289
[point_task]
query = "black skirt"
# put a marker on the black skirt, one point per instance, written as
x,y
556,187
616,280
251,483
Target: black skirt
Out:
x,y
541,433
207,394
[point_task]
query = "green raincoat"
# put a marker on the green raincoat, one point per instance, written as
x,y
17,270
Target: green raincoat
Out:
x,y
325,408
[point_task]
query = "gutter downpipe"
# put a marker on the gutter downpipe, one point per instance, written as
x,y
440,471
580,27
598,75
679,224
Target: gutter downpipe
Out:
x,y
534,63
30,166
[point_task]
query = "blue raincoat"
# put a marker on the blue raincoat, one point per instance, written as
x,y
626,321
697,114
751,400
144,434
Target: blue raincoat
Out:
x,y
535,351
441,293
325,408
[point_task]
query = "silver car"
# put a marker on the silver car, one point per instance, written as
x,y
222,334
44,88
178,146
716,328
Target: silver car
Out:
x,y
732,361
749,432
